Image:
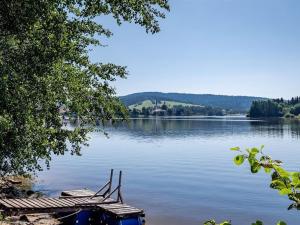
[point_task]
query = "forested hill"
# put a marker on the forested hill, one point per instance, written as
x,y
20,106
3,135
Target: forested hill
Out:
x,y
237,103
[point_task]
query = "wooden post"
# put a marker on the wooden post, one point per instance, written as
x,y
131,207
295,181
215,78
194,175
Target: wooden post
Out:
x,y
120,198
110,180
109,184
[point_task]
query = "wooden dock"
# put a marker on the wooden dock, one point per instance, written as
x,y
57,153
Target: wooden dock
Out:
x,y
72,201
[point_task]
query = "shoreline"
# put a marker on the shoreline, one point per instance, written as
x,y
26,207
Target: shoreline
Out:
x,y
21,187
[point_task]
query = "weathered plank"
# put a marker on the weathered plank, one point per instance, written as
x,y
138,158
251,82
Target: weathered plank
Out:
x,y
13,203
69,204
6,204
37,203
25,203
49,203
78,193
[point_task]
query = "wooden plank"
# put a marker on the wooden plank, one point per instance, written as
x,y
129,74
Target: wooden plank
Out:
x,y
80,192
14,203
66,202
115,207
49,202
63,202
37,203
32,204
45,203
6,204
125,209
123,212
77,200
23,201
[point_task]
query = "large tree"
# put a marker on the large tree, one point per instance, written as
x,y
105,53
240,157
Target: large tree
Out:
x,y
44,65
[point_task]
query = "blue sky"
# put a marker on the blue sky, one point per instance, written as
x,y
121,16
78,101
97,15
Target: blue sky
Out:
x,y
232,47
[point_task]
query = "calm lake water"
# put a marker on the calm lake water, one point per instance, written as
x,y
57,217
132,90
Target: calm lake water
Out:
x,y
181,171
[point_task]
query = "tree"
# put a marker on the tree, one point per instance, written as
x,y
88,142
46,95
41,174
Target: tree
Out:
x,y
296,109
267,108
164,106
135,113
44,65
145,111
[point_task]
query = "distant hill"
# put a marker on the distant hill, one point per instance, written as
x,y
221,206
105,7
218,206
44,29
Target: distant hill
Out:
x,y
152,103
237,103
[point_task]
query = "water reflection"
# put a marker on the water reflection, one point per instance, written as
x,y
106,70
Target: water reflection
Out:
x,y
180,170
277,128
207,127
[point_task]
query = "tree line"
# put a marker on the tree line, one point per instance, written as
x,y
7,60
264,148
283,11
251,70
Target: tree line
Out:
x,y
237,103
276,108
178,110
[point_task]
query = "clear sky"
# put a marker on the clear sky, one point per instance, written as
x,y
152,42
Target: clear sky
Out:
x,y
232,47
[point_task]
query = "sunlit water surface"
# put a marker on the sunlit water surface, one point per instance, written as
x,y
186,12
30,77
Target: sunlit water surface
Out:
x,y
181,171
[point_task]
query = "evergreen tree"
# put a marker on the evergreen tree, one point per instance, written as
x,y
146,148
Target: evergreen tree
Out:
x,y
267,108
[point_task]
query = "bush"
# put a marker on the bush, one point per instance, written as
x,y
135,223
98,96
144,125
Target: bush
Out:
x,y
289,116
296,109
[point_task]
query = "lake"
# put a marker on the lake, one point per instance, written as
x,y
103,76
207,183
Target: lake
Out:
x,y
180,170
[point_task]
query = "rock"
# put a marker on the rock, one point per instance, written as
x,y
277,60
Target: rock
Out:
x,y
13,181
30,192
31,219
35,195
39,219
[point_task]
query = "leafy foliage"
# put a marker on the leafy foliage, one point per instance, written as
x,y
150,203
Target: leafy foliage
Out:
x,y
213,222
287,183
258,222
45,71
296,109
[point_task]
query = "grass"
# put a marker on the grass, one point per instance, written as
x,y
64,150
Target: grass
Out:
x,y
149,104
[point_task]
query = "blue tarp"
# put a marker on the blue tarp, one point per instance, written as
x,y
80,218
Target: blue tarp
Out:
x,y
97,218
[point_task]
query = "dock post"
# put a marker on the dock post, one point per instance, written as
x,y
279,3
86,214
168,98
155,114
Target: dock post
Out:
x,y
110,180
107,186
120,198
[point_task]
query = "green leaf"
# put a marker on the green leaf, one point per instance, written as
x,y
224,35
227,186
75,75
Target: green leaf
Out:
x,y
255,167
281,223
210,222
239,159
225,223
277,184
251,160
295,177
268,170
254,151
281,171
285,191
235,149
258,222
